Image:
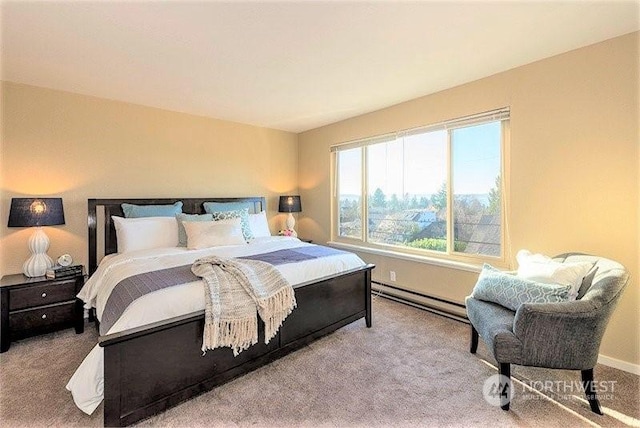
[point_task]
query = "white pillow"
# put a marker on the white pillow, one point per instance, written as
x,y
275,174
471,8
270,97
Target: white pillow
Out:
x,y
259,225
143,233
205,234
540,268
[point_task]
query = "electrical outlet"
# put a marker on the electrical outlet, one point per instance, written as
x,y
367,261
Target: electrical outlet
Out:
x,y
392,275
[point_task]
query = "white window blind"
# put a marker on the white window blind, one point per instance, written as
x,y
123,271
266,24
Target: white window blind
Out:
x,y
488,116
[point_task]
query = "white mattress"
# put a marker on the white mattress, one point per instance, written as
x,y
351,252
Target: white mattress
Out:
x,y
86,384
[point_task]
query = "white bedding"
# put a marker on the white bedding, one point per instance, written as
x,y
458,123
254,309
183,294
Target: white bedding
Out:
x,y
86,384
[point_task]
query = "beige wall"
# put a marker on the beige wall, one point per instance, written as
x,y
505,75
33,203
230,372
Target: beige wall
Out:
x,y
78,147
574,161
573,168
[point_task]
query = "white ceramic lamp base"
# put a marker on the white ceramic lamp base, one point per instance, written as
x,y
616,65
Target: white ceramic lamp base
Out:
x,y
39,262
291,222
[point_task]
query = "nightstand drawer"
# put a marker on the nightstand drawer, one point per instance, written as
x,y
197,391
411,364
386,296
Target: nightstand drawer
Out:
x,y
45,294
40,319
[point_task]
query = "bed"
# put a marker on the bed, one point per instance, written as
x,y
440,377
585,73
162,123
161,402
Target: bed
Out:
x,y
150,367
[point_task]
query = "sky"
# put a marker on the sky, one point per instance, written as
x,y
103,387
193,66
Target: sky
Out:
x,y
417,164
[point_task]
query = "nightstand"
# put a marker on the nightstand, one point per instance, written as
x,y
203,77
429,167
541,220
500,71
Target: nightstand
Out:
x,y
32,306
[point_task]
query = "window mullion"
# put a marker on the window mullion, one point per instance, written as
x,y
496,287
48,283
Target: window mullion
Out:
x,y
365,196
450,237
335,210
505,244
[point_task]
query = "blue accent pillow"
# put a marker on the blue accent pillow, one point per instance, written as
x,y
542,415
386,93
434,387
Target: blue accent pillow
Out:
x,y
511,291
135,211
182,233
211,207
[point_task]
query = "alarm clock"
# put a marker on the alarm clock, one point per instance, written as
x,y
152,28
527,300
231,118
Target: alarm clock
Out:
x,y
65,260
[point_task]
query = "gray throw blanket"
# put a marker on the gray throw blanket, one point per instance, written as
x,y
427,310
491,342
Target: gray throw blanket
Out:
x,y
234,290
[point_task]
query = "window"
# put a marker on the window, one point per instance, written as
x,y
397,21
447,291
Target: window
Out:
x,y
434,190
350,193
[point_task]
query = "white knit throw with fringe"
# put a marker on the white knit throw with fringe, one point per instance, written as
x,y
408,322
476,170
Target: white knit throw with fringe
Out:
x,y
234,290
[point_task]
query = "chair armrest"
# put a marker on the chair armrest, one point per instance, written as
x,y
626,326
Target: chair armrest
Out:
x,y
560,335
573,308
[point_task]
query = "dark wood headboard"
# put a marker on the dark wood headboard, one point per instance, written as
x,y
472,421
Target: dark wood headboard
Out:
x,y
114,207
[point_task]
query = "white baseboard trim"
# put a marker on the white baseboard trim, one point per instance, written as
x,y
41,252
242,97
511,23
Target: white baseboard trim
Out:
x,y
619,364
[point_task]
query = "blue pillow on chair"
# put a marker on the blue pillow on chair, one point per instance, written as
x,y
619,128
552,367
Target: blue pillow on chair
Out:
x,y
134,211
511,291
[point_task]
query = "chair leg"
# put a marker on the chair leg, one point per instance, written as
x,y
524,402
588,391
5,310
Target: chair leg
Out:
x,y
590,391
474,340
505,393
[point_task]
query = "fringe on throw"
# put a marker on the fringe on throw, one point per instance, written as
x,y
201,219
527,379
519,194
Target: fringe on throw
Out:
x,y
232,290
274,309
237,334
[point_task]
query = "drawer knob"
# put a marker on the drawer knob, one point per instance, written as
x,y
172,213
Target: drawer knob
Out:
x,y
44,316
44,295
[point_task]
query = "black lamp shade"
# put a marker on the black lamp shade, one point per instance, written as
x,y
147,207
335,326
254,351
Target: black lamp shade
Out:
x,y
290,204
27,212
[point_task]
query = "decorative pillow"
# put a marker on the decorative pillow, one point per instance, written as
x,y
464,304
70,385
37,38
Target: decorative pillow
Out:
x,y
182,235
540,268
135,211
259,225
145,233
511,291
210,207
242,214
213,233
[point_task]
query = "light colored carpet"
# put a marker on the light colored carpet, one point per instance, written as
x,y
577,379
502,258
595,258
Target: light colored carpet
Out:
x,y
413,368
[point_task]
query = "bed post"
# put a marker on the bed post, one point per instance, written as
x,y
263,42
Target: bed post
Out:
x,y
367,297
112,393
92,224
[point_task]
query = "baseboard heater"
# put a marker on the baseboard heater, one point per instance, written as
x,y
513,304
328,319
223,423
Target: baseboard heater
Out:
x,y
426,302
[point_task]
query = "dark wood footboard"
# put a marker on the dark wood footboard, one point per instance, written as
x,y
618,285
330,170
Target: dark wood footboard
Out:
x,y
152,368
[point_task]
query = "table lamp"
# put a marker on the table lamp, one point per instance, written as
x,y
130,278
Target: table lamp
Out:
x,y
290,204
30,212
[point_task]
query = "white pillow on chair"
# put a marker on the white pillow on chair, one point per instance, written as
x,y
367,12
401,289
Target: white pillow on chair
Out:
x,y
540,268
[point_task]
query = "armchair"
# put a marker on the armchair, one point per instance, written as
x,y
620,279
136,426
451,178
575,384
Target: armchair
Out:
x,y
564,335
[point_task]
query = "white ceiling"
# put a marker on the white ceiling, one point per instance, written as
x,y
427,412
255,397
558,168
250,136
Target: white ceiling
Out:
x,y
288,65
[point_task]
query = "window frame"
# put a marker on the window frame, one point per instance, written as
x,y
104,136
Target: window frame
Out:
x,y
456,258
